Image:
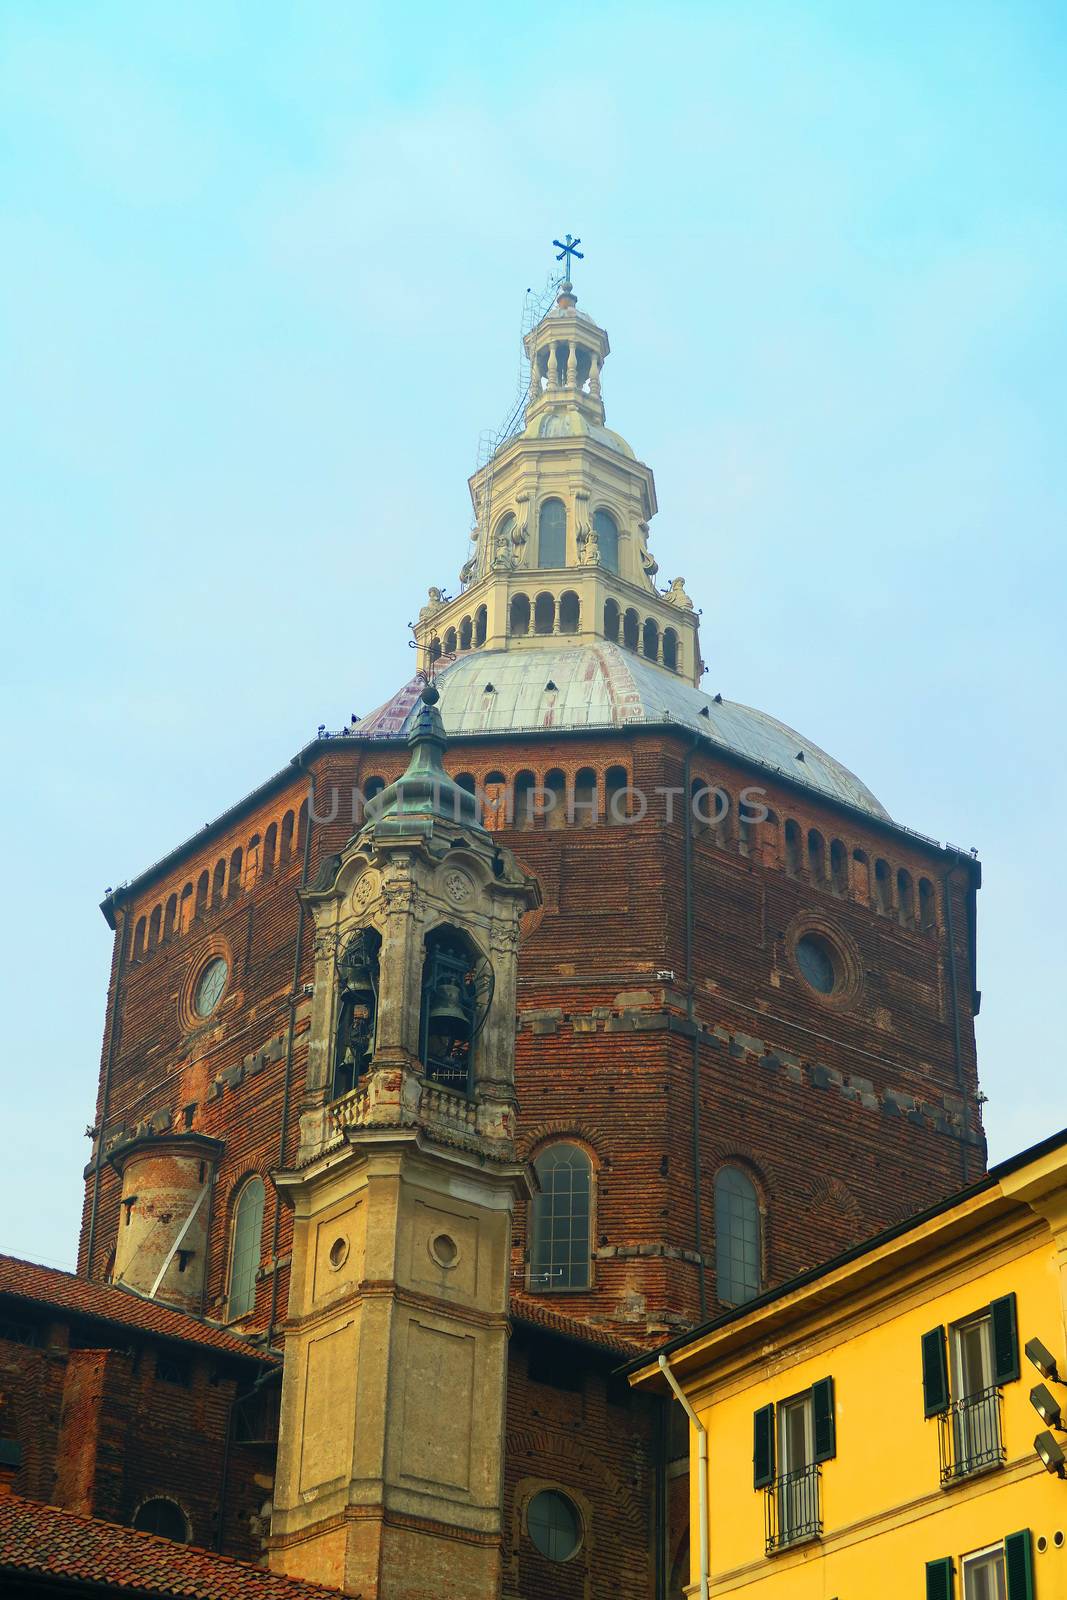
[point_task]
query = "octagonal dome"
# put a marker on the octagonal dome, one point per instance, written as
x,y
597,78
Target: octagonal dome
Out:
x,y
602,685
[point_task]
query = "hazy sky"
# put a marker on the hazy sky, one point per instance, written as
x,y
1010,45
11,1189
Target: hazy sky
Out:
x,y
263,268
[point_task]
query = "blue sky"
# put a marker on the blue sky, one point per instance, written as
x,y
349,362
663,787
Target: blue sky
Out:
x,y
263,270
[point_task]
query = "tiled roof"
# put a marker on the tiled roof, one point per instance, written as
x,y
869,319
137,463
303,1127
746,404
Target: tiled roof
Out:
x,y
529,1309
48,1286
53,1544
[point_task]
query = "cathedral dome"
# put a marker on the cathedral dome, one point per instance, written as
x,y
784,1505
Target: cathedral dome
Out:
x,y
602,685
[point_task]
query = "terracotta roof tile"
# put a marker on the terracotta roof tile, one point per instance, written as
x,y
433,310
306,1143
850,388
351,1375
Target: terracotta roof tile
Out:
x,y
48,1542
48,1286
529,1309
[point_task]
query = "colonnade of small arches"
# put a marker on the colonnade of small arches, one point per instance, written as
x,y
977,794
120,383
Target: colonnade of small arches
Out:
x,y
734,823
548,613
275,850
891,891
528,800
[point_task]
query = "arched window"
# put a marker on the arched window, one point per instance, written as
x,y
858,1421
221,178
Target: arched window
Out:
x,y
554,799
164,1518
170,916
185,909
519,620
927,905
448,1013
861,876
561,1219
583,809
569,612
883,890
235,871
201,893
481,623
525,796
611,621
792,847
670,649
838,867
356,1010
466,633
450,641
816,855
252,861
737,1237
607,537
301,824
435,649
495,801
270,847
153,928
285,848
218,881
650,639
552,535
616,797
138,939
246,1235
544,613
631,629
905,898
371,790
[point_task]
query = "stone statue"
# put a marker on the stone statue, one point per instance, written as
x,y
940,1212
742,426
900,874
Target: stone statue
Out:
x,y
676,595
433,603
588,546
649,563
468,570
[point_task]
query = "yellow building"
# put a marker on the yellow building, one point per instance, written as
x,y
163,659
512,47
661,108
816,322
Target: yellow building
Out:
x,y
892,1423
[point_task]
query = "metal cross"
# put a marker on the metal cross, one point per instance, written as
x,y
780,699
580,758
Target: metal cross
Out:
x,y
566,251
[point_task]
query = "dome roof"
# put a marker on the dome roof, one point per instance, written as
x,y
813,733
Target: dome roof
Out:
x,y
602,685
570,423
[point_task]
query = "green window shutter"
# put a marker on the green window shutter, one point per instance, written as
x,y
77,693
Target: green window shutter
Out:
x,y
763,1447
1019,1565
935,1372
1005,1340
822,1405
940,1579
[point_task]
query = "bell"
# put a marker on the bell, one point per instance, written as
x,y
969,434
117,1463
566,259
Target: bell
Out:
x,y
447,1012
356,979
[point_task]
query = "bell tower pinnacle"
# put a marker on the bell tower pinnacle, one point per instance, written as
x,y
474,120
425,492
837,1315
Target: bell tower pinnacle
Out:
x,y
390,1457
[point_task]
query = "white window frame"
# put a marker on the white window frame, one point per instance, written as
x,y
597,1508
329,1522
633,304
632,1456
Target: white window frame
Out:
x,y
977,1558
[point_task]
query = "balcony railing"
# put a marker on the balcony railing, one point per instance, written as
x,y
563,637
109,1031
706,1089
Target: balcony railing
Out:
x,y
970,1435
793,1509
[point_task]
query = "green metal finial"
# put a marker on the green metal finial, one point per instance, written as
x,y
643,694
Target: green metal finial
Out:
x,y
425,792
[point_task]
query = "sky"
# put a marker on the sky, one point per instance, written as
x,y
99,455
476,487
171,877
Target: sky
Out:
x,y
263,269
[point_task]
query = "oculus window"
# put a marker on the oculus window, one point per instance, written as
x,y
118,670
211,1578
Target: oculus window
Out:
x,y
554,1525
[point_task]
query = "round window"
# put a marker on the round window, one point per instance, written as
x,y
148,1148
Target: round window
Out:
x,y
554,1525
209,987
818,963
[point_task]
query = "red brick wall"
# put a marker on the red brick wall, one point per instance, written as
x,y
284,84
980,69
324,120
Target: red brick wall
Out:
x,y
845,1116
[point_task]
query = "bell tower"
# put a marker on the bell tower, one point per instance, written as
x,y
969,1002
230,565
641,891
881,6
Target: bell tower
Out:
x,y
390,1464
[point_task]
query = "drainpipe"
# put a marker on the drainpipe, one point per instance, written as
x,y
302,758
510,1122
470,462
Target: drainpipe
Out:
x,y
294,997
950,933
702,1475
690,1011
106,1097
